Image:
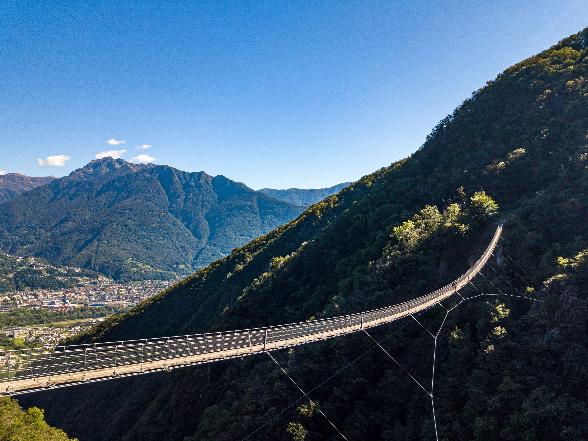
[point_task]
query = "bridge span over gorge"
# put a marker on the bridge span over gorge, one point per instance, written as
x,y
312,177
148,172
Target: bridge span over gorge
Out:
x,y
26,371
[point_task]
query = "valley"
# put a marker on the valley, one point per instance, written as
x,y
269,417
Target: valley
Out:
x,y
315,221
401,231
43,304
138,222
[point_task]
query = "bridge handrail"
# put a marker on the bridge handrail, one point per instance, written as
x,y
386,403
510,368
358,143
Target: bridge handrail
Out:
x,y
40,362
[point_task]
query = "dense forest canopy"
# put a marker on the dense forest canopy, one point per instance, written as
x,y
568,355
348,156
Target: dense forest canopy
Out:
x,y
508,368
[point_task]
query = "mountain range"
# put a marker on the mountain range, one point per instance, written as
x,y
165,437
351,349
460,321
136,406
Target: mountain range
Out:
x,y
13,184
304,197
132,221
135,221
507,367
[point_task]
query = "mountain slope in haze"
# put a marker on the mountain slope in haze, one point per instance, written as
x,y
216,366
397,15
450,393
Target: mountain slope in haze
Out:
x,y
132,221
304,197
13,184
507,368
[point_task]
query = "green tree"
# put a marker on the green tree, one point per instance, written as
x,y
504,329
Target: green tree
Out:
x,y
19,425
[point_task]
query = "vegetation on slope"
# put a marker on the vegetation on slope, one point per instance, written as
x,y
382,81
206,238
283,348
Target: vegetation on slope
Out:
x,y
508,368
21,273
134,222
19,425
31,316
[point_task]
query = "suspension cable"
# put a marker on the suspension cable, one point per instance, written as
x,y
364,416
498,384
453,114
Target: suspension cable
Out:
x,y
435,338
306,396
433,382
421,325
475,287
481,294
441,305
509,295
325,381
519,269
493,285
515,264
504,279
406,371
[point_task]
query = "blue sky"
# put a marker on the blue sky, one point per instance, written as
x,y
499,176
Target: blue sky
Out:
x,y
276,94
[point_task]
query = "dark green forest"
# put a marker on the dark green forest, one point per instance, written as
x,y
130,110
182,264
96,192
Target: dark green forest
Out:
x,y
508,368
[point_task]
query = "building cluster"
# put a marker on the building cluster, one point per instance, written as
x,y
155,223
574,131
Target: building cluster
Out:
x,y
100,292
49,335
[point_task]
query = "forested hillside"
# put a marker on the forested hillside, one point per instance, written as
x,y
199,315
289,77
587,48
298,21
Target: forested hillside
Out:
x,y
21,273
132,221
304,197
507,368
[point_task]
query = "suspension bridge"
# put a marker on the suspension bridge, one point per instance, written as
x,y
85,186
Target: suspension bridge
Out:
x,y
30,370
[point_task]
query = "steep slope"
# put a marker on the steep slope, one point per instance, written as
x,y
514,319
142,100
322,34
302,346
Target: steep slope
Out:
x,y
304,197
134,221
506,368
13,184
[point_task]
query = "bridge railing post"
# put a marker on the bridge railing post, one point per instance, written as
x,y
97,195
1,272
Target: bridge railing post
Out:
x,y
21,364
7,354
28,364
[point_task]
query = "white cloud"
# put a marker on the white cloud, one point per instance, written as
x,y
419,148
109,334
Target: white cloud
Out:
x,y
143,159
114,154
53,161
144,146
2,172
114,141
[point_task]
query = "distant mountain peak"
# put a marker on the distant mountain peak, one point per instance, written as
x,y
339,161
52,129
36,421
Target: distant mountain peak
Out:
x,y
138,221
303,197
13,184
15,181
107,167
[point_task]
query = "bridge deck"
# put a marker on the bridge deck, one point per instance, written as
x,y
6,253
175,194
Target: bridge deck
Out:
x,y
29,370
